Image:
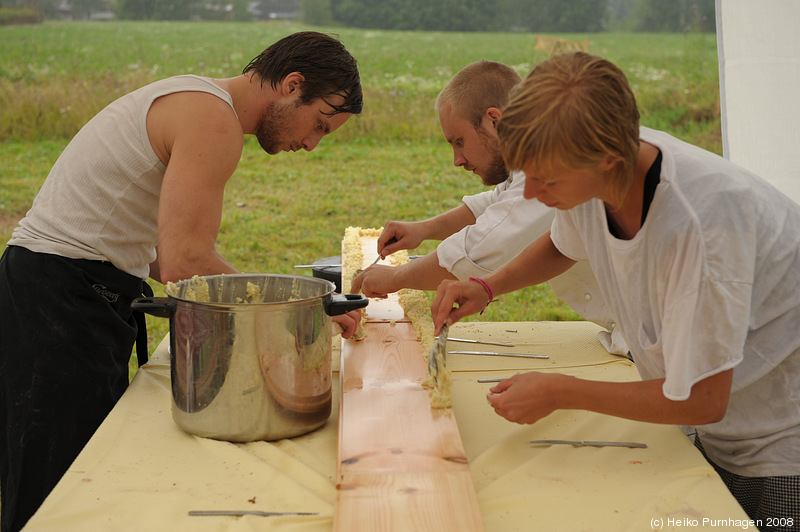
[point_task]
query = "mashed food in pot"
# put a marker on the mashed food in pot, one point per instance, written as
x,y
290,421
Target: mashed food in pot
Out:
x,y
196,289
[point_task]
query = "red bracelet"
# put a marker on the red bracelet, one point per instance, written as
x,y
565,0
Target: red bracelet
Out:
x,y
486,287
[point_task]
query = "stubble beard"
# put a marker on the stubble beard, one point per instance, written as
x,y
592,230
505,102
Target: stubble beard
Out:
x,y
497,172
271,125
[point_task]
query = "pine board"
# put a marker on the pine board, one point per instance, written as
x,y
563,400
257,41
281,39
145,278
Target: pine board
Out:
x,y
401,464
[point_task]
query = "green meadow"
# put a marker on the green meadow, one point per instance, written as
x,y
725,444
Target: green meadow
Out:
x,y
389,163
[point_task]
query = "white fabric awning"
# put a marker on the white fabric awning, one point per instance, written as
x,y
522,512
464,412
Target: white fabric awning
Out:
x,y
759,66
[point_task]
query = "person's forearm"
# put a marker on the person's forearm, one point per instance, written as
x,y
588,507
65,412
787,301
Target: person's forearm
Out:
x,y
529,397
645,401
423,273
443,225
173,268
536,264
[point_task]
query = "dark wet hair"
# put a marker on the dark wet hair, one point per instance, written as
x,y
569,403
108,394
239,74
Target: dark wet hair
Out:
x,y
328,68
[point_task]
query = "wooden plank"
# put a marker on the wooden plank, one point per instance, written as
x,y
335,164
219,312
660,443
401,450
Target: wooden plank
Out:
x,y
389,425
401,463
407,501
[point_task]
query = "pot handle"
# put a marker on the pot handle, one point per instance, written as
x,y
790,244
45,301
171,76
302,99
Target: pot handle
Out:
x,y
161,307
344,303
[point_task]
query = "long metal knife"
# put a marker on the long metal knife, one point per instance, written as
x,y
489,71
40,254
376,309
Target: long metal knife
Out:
x,y
502,344
247,512
491,353
586,443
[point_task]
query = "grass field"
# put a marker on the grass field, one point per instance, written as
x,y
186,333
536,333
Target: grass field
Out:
x,y
389,163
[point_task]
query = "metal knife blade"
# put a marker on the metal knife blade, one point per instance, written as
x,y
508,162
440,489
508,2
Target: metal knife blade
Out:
x,y
492,353
503,344
439,346
587,443
246,512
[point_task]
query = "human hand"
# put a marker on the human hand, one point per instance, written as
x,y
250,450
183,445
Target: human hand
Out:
x,y
377,281
348,322
471,297
526,397
400,235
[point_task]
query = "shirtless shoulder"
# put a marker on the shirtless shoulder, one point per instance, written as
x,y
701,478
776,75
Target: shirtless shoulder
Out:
x,y
193,118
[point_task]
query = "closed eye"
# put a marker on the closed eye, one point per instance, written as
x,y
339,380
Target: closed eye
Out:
x,y
456,142
324,126
542,182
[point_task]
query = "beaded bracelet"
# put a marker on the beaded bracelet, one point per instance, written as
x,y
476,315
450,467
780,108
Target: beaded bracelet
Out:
x,y
486,287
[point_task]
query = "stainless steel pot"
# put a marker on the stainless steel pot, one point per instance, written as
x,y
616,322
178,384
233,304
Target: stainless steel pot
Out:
x,y
252,361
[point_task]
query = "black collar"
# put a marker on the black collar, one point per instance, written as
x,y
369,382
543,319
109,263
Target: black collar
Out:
x,y
651,181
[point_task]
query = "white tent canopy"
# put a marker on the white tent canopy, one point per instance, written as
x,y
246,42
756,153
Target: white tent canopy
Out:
x,y
759,76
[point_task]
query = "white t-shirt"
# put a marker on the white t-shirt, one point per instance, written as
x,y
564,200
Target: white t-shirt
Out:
x,y
505,224
710,282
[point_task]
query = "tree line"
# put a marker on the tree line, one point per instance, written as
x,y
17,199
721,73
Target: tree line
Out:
x,y
561,16
558,16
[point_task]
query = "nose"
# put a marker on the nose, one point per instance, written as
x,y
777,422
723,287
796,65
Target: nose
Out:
x,y
458,158
309,143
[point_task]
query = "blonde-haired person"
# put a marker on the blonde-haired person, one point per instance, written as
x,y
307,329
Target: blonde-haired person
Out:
x,y
489,228
698,259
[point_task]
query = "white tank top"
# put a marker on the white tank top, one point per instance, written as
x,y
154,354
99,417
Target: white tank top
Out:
x,y
100,200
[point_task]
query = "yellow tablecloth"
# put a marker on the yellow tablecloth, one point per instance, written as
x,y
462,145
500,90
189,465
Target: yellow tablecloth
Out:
x,y
141,472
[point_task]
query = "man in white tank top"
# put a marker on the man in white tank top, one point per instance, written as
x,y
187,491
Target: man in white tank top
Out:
x,y
136,194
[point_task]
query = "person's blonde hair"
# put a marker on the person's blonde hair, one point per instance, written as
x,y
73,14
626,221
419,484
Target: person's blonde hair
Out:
x,y
477,87
573,110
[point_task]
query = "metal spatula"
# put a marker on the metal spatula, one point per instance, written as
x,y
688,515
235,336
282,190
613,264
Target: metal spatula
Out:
x,y
358,271
439,346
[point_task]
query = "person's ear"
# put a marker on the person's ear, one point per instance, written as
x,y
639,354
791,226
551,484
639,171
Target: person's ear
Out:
x,y
608,162
611,161
292,83
491,117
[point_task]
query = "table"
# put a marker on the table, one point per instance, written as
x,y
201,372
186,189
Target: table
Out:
x,y
141,472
